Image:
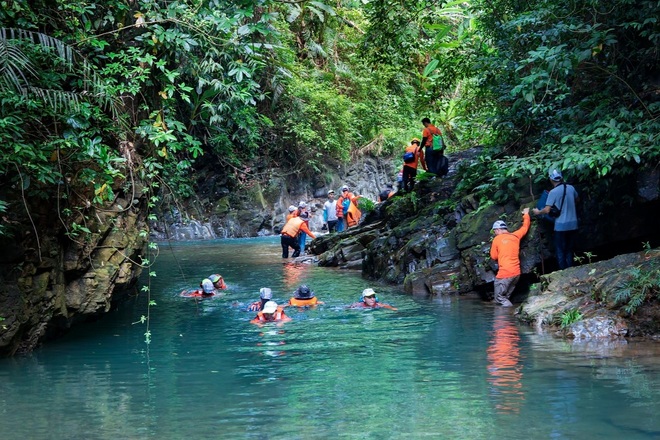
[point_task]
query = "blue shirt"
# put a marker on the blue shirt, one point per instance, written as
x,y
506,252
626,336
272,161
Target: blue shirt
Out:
x,y
567,220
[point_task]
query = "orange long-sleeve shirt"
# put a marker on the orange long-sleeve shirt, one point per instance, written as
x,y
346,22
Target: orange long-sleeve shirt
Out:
x,y
505,249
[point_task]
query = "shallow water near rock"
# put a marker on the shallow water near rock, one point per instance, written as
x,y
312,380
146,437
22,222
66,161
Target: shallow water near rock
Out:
x,y
444,367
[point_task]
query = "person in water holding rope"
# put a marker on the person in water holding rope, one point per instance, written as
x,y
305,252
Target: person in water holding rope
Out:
x,y
369,300
265,295
505,249
270,313
303,297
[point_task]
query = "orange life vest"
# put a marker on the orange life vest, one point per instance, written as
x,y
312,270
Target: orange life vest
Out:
x,y
353,215
292,226
279,315
303,302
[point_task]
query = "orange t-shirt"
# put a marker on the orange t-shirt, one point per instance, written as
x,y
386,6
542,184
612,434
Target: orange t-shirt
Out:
x,y
505,249
428,133
420,156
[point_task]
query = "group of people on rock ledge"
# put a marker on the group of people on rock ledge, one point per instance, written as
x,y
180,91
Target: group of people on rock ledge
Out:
x,y
560,207
344,212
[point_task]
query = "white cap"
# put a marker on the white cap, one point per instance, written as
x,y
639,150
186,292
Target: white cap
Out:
x,y
270,307
265,293
368,292
555,175
292,208
302,205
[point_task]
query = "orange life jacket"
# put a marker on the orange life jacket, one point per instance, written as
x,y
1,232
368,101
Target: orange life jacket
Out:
x,y
353,215
292,226
279,315
303,302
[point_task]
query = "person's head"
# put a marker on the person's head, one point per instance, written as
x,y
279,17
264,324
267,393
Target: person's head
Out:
x,y
265,293
217,281
302,206
303,292
426,122
304,215
292,208
556,177
389,186
345,189
499,227
414,141
331,194
269,310
369,297
207,287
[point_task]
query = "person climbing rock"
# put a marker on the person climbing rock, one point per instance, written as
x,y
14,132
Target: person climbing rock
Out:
x,y
433,153
504,250
411,157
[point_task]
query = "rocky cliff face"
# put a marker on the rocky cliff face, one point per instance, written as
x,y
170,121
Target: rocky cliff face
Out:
x,y
48,285
435,245
256,209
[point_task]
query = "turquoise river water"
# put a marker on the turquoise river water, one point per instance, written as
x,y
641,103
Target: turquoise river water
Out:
x,y
455,368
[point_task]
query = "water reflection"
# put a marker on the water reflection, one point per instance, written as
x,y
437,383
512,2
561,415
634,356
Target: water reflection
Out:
x,y
293,274
504,364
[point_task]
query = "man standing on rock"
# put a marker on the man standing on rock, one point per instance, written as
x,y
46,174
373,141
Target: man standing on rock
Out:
x,y
505,249
330,211
564,198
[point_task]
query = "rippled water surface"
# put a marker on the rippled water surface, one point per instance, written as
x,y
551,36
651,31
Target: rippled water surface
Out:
x,y
436,368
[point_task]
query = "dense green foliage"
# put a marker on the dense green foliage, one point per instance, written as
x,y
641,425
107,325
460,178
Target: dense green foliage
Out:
x,y
96,95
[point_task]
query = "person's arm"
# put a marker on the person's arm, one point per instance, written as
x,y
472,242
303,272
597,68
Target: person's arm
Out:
x,y
305,229
493,250
520,233
421,159
545,210
387,306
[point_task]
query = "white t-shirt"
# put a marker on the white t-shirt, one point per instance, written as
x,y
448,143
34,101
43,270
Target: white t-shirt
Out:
x,y
330,210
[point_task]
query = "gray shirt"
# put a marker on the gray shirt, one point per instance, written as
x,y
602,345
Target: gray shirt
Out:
x,y
567,220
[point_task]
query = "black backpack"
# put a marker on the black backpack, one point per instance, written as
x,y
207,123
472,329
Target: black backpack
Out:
x,y
443,166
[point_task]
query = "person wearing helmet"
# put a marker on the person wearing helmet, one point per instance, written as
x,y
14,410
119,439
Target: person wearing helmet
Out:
x,y
369,300
504,250
271,312
411,156
210,286
303,297
289,235
265,295
305,215
292,212
561,205
343,205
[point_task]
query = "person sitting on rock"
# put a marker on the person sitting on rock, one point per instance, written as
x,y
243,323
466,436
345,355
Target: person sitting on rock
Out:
x,y
270,313
369,300
265,295
304,297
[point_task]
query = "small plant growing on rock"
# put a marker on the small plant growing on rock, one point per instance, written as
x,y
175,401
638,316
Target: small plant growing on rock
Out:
x,y
642,286
569,317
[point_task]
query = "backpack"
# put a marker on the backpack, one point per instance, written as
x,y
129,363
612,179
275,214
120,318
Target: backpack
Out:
x,y
438,144
409,157
443,166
